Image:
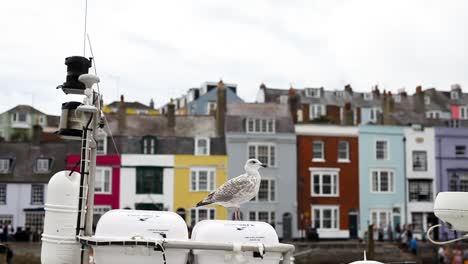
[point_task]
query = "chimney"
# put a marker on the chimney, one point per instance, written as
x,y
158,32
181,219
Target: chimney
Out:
x,y
171,114
376,91
294,103
263,86
418,101
402,92
220,108
151,104
36,136
348,115
348,89
122,116
388,109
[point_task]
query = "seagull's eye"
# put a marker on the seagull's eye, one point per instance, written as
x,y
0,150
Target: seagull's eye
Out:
x,y
253,161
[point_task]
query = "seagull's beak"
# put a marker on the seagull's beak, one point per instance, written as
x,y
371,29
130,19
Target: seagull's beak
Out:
x,y
263,165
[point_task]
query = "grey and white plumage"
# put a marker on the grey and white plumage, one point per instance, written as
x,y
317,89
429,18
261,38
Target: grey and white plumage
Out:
x,y
238,190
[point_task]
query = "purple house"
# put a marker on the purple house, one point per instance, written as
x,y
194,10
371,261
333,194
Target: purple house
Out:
x,y
451,162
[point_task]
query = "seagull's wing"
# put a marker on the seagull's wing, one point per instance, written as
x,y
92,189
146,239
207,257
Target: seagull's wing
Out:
x,y
228,189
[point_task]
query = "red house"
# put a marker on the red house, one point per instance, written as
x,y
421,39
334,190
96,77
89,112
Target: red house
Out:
x,y
328,179
107,184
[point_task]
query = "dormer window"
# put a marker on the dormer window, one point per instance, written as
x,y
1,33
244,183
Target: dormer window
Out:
x,y
397,98
202,146
316,111
256,125
454,95
427,100
43,165
101,148
312,92
340,94
5,165
20,117
463,112
210,107
368,96
149,145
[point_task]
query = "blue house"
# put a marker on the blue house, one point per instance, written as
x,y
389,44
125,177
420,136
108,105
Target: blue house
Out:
x,y
381,177
203,100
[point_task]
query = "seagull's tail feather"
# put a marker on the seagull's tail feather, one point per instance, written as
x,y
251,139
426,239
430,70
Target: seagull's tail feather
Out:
x,y
206,201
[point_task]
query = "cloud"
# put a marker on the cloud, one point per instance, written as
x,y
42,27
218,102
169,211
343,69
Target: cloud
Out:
x,y
158,49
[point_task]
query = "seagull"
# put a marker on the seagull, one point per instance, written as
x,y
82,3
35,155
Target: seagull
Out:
x,y
238,190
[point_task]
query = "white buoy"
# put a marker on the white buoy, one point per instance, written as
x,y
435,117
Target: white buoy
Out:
x,y
59,243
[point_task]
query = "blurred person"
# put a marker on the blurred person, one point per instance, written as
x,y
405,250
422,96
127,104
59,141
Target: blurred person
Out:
x,y
9,254
413,246
2,234
441,255
447,255
457,256
465,256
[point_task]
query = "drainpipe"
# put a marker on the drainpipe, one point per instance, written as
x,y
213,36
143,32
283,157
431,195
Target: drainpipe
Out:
x,y
405,204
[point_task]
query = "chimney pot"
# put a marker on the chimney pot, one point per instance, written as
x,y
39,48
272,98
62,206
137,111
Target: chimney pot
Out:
x,y
171,114
419,89
121,98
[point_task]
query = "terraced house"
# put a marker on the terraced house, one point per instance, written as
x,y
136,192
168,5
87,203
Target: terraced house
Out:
x,y
266,132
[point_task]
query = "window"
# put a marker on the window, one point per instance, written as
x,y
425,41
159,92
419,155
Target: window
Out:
x,y
20,117
454,123
381,150
427,100
4,218
417,222
42,165
202,179
324,182
459,182
382,181
267,191
149,180
460,151
325,217
5,165
260,125
3,193
343,151
265,153
149,206
199,214
419,161
312,92
316,111
454,95
149,145
433,114
284,99
103,180
318,151
37,194
368,96
34,221
101,148
202,146
397,98
420,190
381,217
374,114
463,112
210,107
263,216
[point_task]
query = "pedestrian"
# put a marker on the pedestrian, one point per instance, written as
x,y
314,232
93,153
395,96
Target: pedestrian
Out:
x,y
2,235
457,256
414,246
404,238
447,255
9,254
441,255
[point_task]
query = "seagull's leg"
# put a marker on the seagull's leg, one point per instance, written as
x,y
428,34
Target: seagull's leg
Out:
x,y
237,213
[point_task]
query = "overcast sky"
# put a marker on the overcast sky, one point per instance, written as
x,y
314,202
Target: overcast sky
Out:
x,y
159,49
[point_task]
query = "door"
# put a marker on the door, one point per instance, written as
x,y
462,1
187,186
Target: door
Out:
x,y
287,226
353,225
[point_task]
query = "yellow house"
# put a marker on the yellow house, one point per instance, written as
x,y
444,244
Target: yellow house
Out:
x,y
195,176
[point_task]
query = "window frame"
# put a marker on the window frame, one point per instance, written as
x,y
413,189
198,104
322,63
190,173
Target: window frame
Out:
x,y
142,169
8,168
3,193
347,159
209,107
391,179
211,211
34,195
256,214
103,169
335,217
148,145
334,181
387,149
378,211
101,137
412,191
463,112
271,183
314,107
423,162
458,154
270,146
211,186
254,129
49,165
197,148
322,159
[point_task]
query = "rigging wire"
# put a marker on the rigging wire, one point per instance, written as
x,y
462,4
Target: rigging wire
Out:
x,y
99,92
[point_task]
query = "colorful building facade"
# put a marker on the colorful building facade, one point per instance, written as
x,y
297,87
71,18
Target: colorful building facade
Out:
x,y
195,176
381,177
328,179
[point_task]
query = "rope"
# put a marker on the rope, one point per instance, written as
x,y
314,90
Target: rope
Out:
x,y
429,237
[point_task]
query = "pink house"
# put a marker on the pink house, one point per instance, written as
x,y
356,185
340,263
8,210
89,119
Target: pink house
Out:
x,y
107,184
